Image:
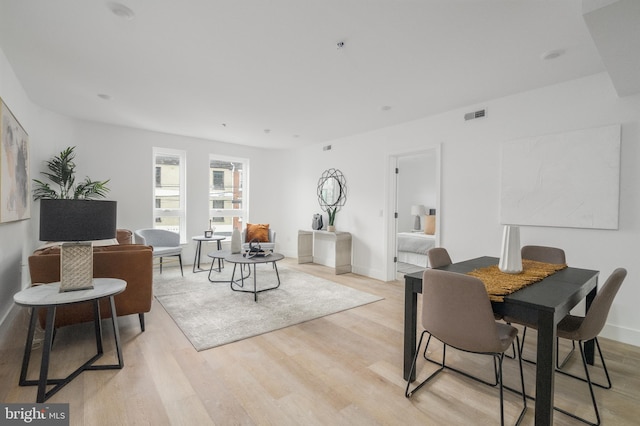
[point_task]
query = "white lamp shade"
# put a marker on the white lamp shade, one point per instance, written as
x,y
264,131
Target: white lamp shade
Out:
x,y
418,210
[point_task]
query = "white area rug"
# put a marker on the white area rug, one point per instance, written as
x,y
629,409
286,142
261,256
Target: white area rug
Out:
x,y
211,314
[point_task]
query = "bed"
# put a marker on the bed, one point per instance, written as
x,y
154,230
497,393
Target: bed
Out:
x,y
413,248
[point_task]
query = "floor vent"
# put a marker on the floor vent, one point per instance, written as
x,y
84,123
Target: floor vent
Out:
x,y
476,114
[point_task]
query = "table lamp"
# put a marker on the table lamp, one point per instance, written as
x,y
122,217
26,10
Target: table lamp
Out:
x,y
76,223
417,211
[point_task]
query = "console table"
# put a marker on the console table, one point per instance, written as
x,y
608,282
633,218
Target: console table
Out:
x,y
325,248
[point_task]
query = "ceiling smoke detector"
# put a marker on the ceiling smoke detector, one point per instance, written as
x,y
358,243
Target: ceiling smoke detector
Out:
x,y
552,54
120,10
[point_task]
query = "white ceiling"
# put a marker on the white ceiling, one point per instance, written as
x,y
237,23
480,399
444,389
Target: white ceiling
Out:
x,y
269,72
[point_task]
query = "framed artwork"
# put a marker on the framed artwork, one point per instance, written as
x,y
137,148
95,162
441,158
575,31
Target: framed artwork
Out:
x,y
14,168
569,180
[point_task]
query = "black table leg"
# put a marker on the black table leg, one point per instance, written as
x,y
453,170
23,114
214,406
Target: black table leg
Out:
x,y
589,345
545,370
410,328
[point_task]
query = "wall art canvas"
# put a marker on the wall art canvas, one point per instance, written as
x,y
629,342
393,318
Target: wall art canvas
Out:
x,y
14,168
568,179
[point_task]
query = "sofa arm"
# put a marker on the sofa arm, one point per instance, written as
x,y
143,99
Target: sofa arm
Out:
x,y
132,263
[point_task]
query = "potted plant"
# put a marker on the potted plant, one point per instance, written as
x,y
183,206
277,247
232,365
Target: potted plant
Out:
x,y
332,217
62,174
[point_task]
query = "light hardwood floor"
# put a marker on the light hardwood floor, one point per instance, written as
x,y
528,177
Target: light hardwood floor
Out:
x,y
343,369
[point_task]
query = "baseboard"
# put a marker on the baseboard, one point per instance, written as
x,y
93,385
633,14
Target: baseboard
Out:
x,y
8,320
621,334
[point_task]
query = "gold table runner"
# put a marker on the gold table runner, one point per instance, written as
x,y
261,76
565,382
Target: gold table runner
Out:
x,y
500,284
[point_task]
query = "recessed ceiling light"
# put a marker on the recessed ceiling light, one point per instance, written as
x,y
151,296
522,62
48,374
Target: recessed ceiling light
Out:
x,y
104,96
385,108
120,10
552,54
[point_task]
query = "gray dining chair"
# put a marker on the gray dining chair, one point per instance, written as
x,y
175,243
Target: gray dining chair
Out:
x,y
164,243
581,329
472,330
544,254
438,257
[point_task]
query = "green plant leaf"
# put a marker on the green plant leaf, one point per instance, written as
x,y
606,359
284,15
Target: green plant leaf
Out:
x,y
61,172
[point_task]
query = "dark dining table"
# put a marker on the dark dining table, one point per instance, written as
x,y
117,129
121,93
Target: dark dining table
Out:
x,y
544,303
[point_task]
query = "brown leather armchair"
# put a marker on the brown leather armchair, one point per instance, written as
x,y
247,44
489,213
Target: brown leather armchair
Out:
x,y
132,263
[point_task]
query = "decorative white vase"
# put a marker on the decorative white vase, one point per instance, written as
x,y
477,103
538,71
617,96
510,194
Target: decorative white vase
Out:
x,y
510,257
236,244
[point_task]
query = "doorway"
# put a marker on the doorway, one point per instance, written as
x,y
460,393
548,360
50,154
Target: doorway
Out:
x,y
415,193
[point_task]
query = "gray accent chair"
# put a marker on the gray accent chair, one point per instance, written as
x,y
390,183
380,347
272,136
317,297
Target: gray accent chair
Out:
x,y
472,330
164,243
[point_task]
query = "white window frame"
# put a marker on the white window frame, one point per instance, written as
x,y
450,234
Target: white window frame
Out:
x,y
242,213
181,211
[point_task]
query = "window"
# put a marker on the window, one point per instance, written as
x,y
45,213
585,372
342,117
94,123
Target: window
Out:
x,y
227,197
218,179
169,196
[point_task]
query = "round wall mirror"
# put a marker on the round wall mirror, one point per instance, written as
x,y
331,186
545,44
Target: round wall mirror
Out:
x,y
332,189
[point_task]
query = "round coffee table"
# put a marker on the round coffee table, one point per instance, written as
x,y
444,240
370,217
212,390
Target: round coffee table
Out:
x,y
240,259
220,255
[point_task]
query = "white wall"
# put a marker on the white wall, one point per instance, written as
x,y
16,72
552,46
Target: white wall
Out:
x,y
283,183
124,156
470,182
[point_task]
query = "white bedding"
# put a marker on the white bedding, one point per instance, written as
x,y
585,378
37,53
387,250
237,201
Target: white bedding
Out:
x,y
413,248
415,242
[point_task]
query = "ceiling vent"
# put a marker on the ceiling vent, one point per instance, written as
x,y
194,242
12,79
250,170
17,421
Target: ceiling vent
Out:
x,y
476,114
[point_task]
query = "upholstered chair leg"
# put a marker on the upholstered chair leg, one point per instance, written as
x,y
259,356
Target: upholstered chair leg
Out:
x,y
160,265
180,259
141,317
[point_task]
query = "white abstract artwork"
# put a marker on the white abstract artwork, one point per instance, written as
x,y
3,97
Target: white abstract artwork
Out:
x,y
565,180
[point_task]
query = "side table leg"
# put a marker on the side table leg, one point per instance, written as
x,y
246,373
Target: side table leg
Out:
x,y
28,347
196,259
97,327
46,353
116,331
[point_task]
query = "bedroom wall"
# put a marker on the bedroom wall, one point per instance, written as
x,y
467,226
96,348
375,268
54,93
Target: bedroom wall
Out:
x,y
470,183
416,185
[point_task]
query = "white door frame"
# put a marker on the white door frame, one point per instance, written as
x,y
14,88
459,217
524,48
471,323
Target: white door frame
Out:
x,y
392,204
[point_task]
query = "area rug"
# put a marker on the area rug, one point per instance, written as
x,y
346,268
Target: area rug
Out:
x,y
211,314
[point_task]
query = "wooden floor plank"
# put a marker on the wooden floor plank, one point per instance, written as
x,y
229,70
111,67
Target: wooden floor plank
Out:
x,y
342,369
